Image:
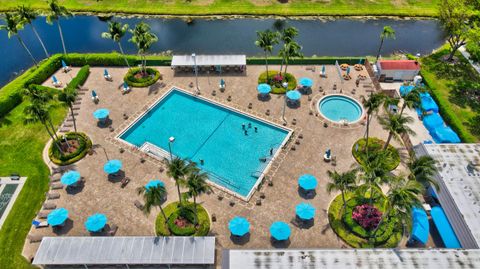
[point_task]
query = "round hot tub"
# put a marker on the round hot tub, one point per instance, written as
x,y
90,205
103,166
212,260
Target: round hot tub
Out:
x,y
340,109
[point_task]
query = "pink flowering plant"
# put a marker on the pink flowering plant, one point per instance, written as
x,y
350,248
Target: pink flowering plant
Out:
x,y
367,216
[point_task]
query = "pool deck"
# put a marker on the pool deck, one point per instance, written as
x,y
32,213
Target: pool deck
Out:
x,y
104,196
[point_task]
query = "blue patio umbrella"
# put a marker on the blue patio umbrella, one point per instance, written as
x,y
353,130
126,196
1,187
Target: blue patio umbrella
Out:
x,y
307,182
70,178
305,211
239,226
264,88
306,82
294,95
57,216
280,230
154,183
95,222
112,166
101,113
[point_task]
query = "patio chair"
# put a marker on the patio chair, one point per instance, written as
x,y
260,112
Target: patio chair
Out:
x,y
39,224
95,98
49,206
138,205
124,182
34,238
56,82
107,76
43,214
53,195
112,230
56,186
65,67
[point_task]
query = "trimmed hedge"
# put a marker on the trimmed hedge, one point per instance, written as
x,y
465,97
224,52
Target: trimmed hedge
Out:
x,y
277,87
79,80
376,144
113,59
84,146
162,229
132,81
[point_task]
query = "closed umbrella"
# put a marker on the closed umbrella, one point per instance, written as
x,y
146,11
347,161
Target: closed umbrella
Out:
x,y
294,95
112,166
280,230
239,226
57,216
305,211
70,178
307,182
101,113
96,222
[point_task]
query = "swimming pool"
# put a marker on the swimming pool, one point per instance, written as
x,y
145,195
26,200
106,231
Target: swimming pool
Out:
x,y
338,108
212,133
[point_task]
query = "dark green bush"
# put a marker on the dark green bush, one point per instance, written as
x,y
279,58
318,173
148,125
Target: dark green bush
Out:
x,y
277,85
132,81
474,50
172,211
84,146
181,231
375,145
80,79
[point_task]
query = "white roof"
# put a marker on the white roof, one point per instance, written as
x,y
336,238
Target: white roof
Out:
x,y
209,60
458,174
125,250
351,258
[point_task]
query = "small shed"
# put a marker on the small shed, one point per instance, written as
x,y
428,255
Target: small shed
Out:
x,y
403,70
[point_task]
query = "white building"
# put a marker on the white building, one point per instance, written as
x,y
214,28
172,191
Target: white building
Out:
x,y
403,70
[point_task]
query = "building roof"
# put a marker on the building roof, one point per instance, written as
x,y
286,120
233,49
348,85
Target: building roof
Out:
x,y
458,175
125,250
351,258
399,65
209,60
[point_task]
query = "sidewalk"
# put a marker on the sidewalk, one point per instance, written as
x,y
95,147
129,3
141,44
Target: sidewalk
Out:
x,y
465,54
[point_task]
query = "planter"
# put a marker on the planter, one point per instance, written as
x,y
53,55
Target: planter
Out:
x,y
135,77
74,149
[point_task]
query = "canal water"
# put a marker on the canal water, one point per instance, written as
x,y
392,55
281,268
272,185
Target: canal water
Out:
x,y
340,37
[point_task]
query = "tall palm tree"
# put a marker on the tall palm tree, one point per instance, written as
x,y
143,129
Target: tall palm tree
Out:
x,y
291,50
396,125
423,169
343,182
410,100
401,198
153,196
12,26
388,33
37,111
287,35
27,15
374,173
178,169
68,97
115,32
197,185
55,12
372,104
266,40
143,39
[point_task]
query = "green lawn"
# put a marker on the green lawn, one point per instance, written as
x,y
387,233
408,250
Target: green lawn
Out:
x,y
246,7
21,151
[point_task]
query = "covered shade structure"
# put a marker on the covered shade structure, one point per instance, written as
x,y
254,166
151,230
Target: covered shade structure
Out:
x,y
420,226
280,231
70,178
239,226
427,103
189,61
433,121
444,228
445,134
57,216
112,166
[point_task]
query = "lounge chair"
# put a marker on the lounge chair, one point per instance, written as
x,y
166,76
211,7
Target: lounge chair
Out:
x,y
112,230
40,224
49,206
56,82
53,195
95,98
106,75
221,86
43,214
65,67
55,178
124,182
34,238
56,186
125,88
139,205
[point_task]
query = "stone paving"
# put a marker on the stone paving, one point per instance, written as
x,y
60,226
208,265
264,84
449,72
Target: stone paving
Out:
x,y
104,196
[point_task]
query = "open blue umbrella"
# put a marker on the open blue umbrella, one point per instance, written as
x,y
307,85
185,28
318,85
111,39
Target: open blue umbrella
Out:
x,y
305,211
280,230
264,88
112,166
101,113
154,183
294,95
239,226
306,82
95,222
70,178
57,216
307,182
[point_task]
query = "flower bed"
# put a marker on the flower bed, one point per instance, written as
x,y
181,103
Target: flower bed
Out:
x,y
368,216
275,80
135,77
375,145
78,146
180,221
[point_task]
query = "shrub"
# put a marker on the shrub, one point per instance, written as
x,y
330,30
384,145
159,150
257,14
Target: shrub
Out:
x,y
367,216
474,50
153,76
85,144
375,145
80,79
187,230
275,81
172,211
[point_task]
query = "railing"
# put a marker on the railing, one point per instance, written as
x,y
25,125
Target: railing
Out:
x,y
157,152
375,82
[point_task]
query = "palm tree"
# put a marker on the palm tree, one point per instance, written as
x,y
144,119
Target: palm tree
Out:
x,y
396,125
153,196
68,98
287,35
197,185
143,39
115,32
266,40
37,111
372,104
342,182
178,169
55,12
411,99
42,97
374,173
12,26
387,32
291,50
401,198
27,15
422,170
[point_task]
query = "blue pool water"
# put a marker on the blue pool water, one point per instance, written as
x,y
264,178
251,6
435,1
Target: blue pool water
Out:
x,y
209,132
339,107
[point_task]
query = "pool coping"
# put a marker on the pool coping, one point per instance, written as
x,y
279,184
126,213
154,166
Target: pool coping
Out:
x,y
145,109
343,95
314,109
